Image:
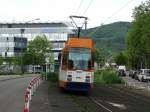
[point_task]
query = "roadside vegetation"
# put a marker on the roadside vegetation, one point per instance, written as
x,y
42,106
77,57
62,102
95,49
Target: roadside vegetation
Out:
x,y
51,76
137,41
36,53
107,77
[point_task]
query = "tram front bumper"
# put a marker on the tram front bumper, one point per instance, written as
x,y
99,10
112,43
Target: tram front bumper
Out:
x,y
77,86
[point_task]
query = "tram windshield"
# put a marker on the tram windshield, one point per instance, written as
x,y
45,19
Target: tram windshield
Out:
x,y
79,58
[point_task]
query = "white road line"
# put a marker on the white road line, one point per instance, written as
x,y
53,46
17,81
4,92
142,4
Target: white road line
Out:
x,y
100,105
121,106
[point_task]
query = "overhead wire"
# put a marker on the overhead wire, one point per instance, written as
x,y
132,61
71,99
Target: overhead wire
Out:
x,y
87,7
111,16
79,7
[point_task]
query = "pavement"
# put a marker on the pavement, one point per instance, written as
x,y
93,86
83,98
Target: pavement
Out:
x,y
40,100
136,84
48,98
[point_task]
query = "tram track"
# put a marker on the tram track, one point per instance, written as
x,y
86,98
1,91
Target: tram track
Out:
x,y
97,102
105,98
90,104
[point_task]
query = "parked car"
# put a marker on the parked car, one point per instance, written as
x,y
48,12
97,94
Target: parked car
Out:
x,y
133,74
136,75
121,73
144,75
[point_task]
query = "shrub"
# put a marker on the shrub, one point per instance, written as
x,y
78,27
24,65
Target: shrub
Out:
x,y
51,76
107,77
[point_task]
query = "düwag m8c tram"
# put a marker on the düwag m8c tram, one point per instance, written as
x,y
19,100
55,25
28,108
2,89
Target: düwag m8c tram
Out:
x,y
76,71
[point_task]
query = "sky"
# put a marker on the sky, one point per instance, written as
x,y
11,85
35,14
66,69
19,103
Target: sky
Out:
x,y
99,11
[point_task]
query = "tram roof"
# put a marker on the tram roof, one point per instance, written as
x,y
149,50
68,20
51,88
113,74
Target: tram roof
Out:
x,y
75,42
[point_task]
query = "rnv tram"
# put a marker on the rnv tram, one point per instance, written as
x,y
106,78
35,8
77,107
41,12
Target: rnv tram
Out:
x,y
76,71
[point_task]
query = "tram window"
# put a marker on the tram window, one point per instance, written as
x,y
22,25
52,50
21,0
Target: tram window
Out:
x,y
70,64
64,61
89,64
80,57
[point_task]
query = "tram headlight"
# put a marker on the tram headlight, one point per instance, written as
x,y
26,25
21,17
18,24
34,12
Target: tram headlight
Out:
x,y
87,79
69,78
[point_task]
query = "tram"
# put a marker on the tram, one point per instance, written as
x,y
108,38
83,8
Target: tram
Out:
x,y
76,71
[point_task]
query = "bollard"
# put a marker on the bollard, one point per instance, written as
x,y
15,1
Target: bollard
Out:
x,y
32,86
26,107
30,90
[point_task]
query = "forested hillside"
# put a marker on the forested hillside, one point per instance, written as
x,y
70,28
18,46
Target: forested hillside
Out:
x,y
110,38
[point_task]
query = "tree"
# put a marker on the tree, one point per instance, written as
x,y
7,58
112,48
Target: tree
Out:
x,y
120,59
137,39
98,57
37,51
1,60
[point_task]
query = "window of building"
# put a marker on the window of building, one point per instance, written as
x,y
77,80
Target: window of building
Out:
x,y
9,25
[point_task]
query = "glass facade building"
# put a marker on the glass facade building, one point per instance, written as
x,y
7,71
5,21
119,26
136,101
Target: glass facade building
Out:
x,y
12,46
56,33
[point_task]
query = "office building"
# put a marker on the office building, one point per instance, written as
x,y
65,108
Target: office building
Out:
x,y
56,33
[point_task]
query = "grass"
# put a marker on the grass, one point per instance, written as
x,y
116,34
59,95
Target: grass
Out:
x,y
103,76
107,77
10,73
51,76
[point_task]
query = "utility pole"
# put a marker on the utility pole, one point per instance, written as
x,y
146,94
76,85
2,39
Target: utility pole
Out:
x,y
77,26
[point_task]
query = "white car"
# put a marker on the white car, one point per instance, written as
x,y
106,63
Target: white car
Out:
x,y
144,75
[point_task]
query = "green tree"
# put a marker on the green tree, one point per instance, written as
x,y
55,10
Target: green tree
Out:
x,y
137,39
120,59
1,60
98,57
37,51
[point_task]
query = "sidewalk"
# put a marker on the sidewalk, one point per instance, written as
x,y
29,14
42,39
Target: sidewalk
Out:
x,y
136,84
48,98
40,100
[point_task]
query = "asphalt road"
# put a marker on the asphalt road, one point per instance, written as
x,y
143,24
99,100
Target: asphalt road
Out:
x,y
118,99
12,93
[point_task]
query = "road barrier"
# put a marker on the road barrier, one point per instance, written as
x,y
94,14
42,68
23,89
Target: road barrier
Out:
x,y
32,86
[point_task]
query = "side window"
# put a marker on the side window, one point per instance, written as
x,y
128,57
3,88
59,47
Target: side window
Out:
x,y
92,59
64,61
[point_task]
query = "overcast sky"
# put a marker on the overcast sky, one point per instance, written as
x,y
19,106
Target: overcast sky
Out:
x,y
99,11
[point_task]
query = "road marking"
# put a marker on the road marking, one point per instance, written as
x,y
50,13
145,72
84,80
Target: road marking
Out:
x,y
101,105
122,106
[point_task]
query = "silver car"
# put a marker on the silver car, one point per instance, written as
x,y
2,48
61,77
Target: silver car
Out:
x,y
144,75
